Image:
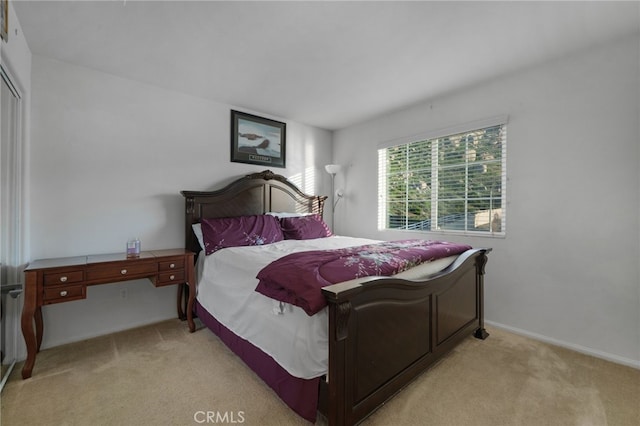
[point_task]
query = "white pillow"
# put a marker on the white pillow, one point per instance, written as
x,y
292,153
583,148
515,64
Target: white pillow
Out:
x,y
285,214
197,230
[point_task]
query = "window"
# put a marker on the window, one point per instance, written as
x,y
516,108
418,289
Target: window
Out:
x,y
452,182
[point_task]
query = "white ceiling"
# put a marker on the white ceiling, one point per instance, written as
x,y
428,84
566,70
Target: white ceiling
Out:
x,y
326,64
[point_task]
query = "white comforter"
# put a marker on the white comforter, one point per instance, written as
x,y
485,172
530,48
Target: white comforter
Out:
x,y
298,342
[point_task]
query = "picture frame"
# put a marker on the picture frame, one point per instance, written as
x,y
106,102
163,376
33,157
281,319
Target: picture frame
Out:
x,y
257,140
4,24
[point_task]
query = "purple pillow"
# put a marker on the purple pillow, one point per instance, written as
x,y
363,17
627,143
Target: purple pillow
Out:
x,y
240,231
304,227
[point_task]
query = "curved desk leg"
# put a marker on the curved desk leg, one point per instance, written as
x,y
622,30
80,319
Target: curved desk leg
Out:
x,y
30,313
39,326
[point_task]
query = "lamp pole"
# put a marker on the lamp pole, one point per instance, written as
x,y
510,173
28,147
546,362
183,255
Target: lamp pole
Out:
x,y
333,201
333,169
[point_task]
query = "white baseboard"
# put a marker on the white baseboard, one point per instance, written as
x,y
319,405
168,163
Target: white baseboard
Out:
x,y
588,351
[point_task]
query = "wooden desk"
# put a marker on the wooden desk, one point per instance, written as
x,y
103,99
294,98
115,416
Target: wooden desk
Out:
x,y
49,281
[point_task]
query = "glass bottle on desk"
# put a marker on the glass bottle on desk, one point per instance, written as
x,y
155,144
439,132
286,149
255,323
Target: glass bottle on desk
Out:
x,y
133,248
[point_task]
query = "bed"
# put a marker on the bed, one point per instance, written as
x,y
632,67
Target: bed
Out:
x,y
381,332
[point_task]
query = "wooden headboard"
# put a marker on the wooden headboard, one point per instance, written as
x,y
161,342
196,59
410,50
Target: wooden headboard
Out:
x,y
252,194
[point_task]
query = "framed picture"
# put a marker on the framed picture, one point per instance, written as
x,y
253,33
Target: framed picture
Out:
x,y
257,140
4,25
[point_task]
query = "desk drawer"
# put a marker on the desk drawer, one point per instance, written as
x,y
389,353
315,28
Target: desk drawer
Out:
x,y
121,271
167,278
171,265
63,277
67,293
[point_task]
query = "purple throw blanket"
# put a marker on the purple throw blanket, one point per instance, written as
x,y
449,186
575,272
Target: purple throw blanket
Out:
x,y
298,278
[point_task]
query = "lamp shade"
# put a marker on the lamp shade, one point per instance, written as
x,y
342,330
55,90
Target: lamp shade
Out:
x,y
333,169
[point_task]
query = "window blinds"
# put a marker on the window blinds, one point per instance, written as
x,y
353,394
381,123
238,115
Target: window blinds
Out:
x,y
452,182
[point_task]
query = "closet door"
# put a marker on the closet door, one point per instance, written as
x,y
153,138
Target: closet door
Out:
x,y
11,231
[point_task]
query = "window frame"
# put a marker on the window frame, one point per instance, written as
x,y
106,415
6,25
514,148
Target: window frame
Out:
x,y
383,181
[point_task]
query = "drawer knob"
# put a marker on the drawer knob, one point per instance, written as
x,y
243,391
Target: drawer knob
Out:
x,y
173,265
63,293
123,272
172,277
63,279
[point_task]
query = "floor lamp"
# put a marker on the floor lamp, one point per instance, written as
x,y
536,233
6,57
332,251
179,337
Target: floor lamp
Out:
x,y
334,169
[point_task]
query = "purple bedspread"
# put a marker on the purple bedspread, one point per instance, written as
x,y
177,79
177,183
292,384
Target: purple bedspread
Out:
x,y
298,278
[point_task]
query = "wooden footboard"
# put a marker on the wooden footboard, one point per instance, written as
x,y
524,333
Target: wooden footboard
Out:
x,y
384,332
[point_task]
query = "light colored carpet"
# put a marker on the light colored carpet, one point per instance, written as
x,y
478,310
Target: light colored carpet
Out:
x,y
164,375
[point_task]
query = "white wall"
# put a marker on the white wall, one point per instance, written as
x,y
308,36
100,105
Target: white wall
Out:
x,y
567,270
109,157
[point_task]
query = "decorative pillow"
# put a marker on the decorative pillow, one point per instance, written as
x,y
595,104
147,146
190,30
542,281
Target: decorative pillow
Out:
x,y
240,231
304,227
